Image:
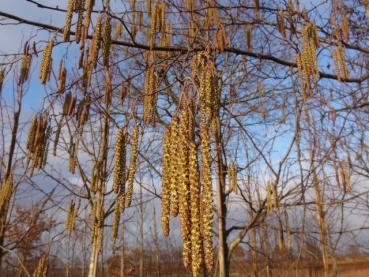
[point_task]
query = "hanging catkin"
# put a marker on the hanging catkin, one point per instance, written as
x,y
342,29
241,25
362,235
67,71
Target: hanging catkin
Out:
x,y
119,162
96,43
2,77
24,72
116,219
183,188
174,156
232,178
132,165
6,191
80,9
106,40
46,62
68,19
207,198
196,245
165,182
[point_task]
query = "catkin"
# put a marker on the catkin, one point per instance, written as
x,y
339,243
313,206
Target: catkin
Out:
x,y
196,245
69,223
174,175
116,219
106,40
96,42
80,4
68,19
232,178
119,162
207,198
183,188
24,72
165,181
132,165
89,6
46,62
6,191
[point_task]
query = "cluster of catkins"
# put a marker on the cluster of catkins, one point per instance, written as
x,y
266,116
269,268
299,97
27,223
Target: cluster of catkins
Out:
x,y
72,214
187,183
187,189
38,142
306,59
120,174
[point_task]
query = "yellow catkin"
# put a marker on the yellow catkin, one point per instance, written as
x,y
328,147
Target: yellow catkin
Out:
x,y
183,188
269,198
70,216
96,42
116,219
46,62
106,40
232,178
25,68
119,162
6,192
207,198
132,165
174,156
345,177
68,19
89,6
196,245
165,181
80,9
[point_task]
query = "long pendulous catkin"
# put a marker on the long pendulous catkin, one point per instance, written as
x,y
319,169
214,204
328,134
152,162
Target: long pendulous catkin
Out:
x,y
68,19
116,219
96,43
207,198
106,40
6,191
183,188
46,62
232,178
194,179
132,165
174,176
80,5
165,183
120,162
25,68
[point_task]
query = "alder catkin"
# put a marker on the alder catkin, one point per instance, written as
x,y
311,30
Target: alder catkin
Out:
x,y
96,43
174,175
207,198
106,40
2,77
46,62
194,179
68,19
132,165
6,191
24,71
119,162
165,182
80,4
183,188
